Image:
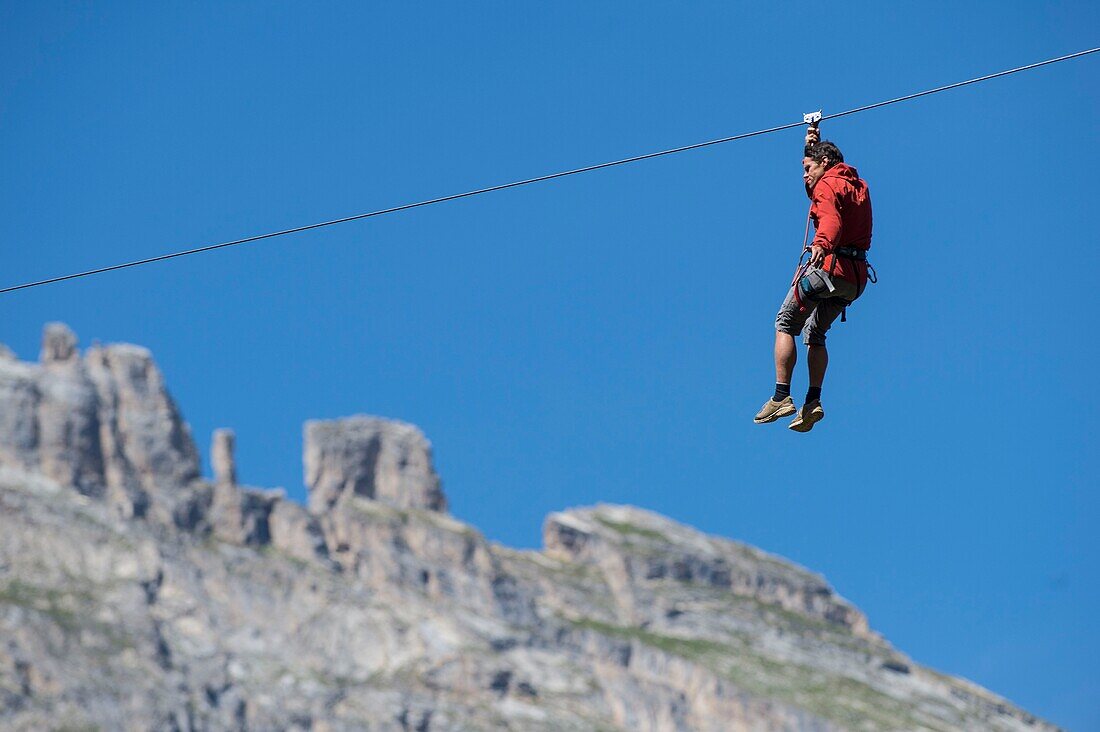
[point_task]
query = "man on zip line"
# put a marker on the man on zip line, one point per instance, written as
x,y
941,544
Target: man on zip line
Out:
x,y
832,279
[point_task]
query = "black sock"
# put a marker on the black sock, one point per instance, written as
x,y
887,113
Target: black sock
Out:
x,y
782,391
813,394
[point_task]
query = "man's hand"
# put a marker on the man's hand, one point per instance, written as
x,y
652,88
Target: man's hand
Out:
x,y
817,256
813,135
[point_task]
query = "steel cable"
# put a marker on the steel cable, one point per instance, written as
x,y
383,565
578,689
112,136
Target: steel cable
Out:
x,y
516,184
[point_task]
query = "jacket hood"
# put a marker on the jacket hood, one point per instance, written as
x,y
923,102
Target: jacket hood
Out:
x,y
843,171
840,171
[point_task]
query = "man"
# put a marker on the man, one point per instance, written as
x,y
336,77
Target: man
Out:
x,y
840,206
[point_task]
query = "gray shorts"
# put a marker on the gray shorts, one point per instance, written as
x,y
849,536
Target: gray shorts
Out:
x,y
814,322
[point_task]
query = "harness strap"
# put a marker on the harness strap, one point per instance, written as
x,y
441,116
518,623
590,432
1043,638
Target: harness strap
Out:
x,y
860,255
802,266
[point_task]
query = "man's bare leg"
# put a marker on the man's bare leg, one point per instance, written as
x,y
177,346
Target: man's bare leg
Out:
x,y
817,360
780,405
785,357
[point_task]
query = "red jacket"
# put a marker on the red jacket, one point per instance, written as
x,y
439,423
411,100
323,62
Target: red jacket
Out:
x,y
841,209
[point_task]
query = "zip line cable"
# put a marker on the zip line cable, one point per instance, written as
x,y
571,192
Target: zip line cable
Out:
x,y
957,84
539,179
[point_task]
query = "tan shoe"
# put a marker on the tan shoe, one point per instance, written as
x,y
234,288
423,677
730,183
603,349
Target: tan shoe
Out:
x,y
773,410
810,414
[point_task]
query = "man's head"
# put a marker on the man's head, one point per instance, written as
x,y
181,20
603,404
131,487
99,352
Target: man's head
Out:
x,y
819,157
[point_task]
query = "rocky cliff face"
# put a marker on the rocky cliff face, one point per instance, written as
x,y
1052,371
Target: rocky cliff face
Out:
x,y
372,458
104,424
136,595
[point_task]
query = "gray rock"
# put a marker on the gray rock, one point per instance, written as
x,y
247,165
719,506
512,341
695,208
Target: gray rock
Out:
x,y
19,428
371,458
146,443
221,457
104,425
243,515
255,517
69,449
636,550
296,532
48,415
58,344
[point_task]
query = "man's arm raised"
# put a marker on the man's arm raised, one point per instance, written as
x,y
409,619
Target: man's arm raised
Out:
x,y
813,135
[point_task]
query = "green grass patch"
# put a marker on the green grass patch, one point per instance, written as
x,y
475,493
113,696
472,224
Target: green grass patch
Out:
x,y
631,530
70,610
55,604
838,698
690,648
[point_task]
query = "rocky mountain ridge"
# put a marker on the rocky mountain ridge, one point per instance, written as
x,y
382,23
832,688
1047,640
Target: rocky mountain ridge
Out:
x,y
134,594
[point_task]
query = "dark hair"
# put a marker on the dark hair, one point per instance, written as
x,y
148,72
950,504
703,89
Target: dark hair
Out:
x,y
824,149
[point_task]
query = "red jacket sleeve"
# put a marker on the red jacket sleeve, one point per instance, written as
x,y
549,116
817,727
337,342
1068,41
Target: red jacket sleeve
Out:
x,y
826,217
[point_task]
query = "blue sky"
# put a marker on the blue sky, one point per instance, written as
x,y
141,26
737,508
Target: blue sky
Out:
x,y
607,337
